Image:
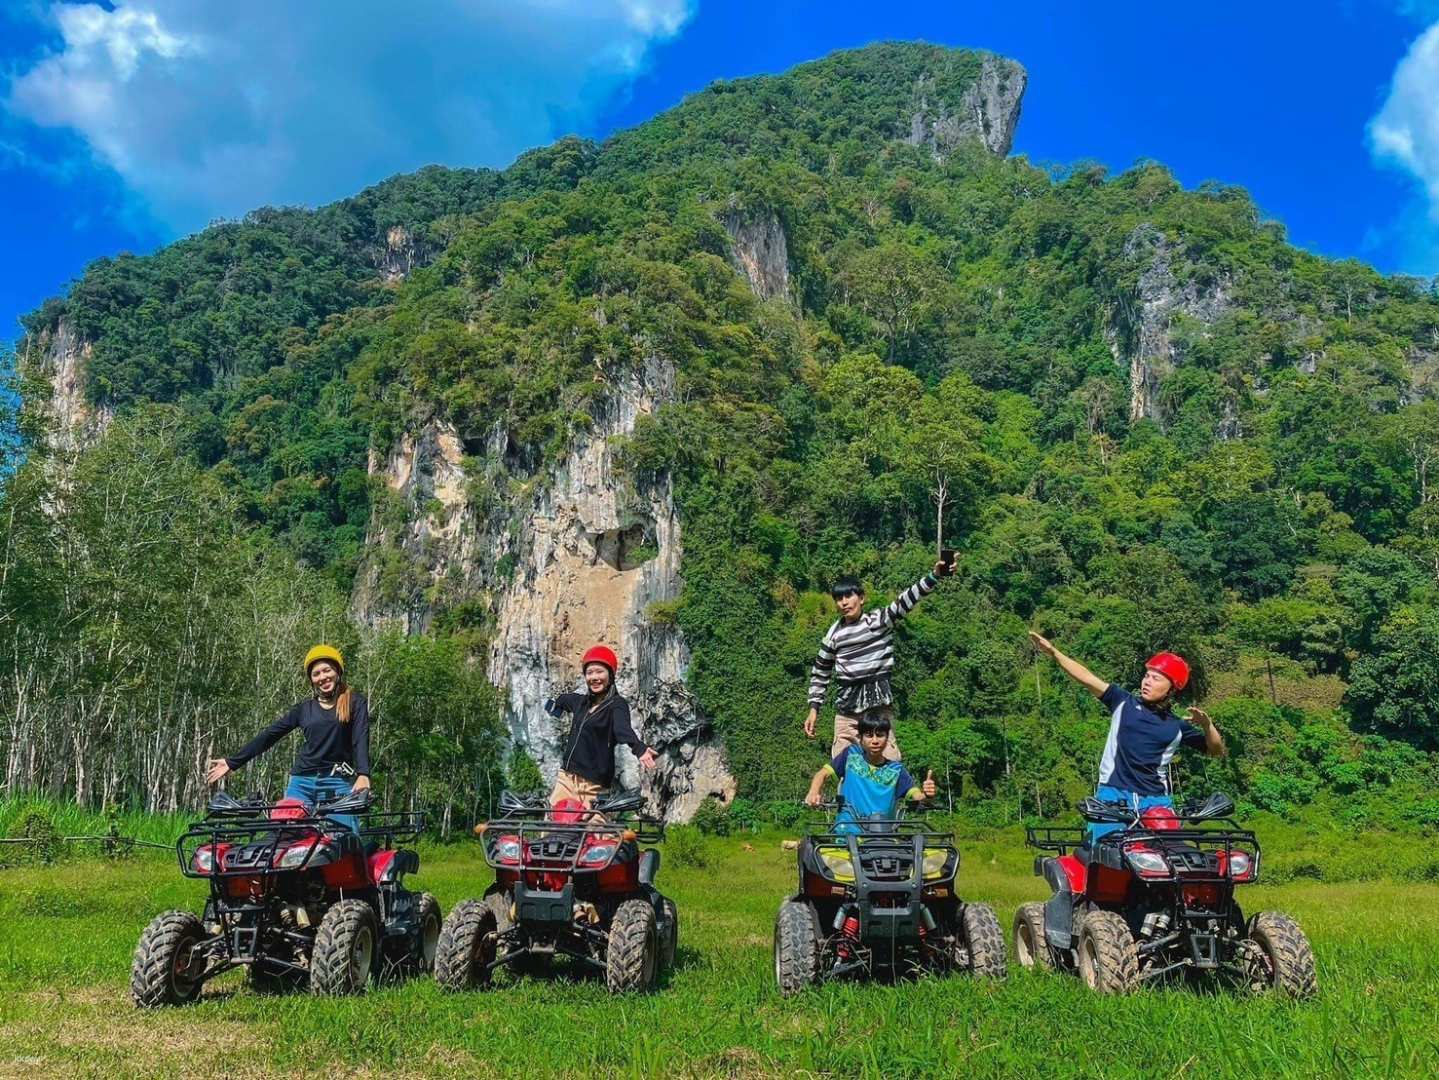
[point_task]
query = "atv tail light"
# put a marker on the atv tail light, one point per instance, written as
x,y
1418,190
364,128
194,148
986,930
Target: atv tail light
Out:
x,y
1148,863
600,853
1241,866
295,855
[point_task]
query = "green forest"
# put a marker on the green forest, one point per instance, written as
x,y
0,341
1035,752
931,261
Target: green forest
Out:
x,y
1269,509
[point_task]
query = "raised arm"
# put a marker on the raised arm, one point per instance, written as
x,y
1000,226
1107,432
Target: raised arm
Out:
x,y
1071,667
1213,740
904,603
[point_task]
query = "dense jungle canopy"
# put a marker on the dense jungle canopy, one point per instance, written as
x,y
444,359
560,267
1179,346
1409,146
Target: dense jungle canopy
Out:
x,y
1262,497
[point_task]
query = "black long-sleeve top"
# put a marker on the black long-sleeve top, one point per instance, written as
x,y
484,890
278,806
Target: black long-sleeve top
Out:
x,y
327,741
598,727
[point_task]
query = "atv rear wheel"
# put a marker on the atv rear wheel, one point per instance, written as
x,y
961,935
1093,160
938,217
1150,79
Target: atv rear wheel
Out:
x,y
632,958
1280,957
466,947
427,911
985,941
347,949
1031,947
796,947
166,970
1108,958
669,934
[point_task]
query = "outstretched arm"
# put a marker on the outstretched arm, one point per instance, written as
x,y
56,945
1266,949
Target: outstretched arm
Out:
x,y
1213,740
1071,667
255,747
816,786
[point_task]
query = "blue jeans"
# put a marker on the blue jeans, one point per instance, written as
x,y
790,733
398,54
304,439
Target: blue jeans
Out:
x,y
317,789
1105,793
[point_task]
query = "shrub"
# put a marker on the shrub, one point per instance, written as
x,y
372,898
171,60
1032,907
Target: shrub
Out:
x,y
685,845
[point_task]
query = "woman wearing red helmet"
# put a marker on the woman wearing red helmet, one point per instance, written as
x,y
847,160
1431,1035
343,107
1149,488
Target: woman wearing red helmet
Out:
x,y
600,722
1144,732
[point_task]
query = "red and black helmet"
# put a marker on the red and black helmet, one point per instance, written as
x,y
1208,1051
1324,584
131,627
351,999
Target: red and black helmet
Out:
x,y
1172,666
601,654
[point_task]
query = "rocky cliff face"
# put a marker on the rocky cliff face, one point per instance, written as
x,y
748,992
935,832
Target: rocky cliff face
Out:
x,y
564,558
1140,327
989,110
61,357
759,250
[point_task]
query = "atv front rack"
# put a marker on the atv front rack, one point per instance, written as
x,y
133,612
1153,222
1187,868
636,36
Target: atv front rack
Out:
x,y
557,846
1198,865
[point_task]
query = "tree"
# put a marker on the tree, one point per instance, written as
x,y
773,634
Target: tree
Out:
x,y
1395,690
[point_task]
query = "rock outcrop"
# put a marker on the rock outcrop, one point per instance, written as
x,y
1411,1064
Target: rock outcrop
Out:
x,y
1140,327
988,111
759,250
61,357
564,558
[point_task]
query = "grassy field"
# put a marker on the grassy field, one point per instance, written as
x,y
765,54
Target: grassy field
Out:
x,y
67,932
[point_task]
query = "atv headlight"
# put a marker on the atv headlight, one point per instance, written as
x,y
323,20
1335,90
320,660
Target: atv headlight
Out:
x,y
838,863
204,861
599,854
295,855
935,861
1148,863
1241,865
508,849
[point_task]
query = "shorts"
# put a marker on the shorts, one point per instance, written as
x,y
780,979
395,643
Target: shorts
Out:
x,y
570,786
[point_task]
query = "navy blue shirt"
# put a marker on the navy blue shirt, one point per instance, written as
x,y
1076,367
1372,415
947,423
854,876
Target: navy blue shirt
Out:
x,y
1141,743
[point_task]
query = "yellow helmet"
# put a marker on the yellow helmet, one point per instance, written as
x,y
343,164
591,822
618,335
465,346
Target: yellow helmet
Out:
x,y
324,652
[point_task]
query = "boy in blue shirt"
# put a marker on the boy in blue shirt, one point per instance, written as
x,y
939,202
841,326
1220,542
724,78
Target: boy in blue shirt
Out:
x,y
1144,732
870,785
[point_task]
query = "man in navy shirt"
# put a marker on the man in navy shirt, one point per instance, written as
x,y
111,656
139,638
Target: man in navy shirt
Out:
x,y
1144,733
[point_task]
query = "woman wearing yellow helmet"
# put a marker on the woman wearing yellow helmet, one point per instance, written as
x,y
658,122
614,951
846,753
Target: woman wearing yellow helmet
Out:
x,y
335,757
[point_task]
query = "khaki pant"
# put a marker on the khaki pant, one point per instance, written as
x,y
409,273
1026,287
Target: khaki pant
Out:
x,y
570,786
846,734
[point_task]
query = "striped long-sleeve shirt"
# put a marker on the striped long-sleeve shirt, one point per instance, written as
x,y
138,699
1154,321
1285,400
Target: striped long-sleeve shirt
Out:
x,y
863,649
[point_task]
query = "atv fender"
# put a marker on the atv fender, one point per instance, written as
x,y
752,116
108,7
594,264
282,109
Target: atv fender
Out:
x,y
1059,908
390,866
649,866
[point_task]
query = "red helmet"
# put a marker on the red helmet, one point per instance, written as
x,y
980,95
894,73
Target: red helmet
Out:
x,y
601,654
1172,666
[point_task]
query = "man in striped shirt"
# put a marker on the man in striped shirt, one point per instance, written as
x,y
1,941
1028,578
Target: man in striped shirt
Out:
x,y
858,652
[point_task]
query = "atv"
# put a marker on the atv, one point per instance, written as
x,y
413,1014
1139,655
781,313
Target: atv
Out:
x,y
1155,900
295,898
570,881
878,897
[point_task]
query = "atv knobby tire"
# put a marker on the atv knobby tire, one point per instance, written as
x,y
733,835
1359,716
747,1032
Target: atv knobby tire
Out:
x,y
1108,958
165,970
1031,947
632,958
429,920
985,941
796,947
466,947
347,950
670,934
1288,961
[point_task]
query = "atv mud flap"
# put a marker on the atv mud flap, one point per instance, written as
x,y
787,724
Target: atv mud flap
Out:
x,y
1059,908
541,906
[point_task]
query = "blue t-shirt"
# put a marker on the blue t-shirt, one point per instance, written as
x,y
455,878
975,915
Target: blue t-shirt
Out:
x,y
870,790
1141,743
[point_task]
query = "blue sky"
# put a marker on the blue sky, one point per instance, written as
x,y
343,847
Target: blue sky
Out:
x,y
124,125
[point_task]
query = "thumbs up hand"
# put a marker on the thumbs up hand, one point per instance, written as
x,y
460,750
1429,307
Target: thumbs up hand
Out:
x,y
928,787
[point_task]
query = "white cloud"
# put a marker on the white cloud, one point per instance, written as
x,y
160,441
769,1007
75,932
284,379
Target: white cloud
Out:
x,y
211,108
1405,133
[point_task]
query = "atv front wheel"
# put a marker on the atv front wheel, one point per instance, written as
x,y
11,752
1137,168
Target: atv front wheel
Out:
x,y
347,948
1031,947
1280,957
427,912
796,947
669,934
166,970
1108,958
632,959
985,941
466,947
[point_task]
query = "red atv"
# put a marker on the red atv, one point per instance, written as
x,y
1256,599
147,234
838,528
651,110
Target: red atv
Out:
x,y
1156,900
295,898
569,882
